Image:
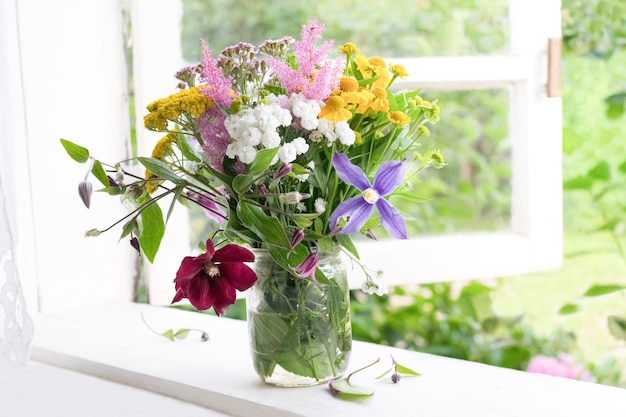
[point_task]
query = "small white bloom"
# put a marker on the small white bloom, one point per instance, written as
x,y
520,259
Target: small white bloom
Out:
x,y
320,205
300,207
302,177
301,145
346,135
287,153
374,284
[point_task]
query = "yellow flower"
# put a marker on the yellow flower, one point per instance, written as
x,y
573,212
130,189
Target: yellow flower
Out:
x,y
398,118
163,146
151,186
348,84
335,110
380,102
348,49
423,130
160,150
190,101
398,70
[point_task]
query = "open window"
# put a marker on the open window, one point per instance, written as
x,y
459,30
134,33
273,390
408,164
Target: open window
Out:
x,y
500,195
75,84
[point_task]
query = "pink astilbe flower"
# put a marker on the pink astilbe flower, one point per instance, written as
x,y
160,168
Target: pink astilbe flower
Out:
x,y
218,87
315,78
215,137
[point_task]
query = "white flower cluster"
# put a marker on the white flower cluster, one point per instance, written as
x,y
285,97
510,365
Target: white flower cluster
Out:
x,y
252,127
334,131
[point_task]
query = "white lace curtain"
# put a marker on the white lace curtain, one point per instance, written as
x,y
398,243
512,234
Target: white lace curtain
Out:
x,y
16,326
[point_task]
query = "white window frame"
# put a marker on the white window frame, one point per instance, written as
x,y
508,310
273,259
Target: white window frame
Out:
x,y
79,291
533,242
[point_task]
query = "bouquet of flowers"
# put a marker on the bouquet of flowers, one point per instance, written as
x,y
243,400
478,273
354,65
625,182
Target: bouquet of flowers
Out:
x,y
286,149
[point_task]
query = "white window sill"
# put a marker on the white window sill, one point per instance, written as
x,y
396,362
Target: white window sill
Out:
x,y
111,342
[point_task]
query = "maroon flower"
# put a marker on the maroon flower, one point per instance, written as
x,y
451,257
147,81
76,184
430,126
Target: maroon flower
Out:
x,y
211,279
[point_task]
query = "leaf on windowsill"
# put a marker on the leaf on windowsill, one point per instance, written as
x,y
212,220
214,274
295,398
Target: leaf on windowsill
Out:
x,y
345,388
397,369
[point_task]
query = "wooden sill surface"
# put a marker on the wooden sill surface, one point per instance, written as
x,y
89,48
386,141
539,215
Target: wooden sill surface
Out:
x,y
112,342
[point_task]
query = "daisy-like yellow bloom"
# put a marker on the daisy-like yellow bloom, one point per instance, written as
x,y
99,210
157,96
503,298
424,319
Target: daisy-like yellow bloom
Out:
x,y
348,49
398,70
374,67
360,100
380,102
335,110
398,118
348,84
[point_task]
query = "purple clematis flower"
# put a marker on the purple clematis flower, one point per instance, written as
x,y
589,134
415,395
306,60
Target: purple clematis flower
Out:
x,y
358,209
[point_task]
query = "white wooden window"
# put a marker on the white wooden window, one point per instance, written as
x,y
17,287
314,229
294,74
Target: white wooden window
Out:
x,y
63,74
74,85
532,241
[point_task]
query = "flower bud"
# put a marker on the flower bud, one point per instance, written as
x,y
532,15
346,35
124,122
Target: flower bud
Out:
x,y
293,197
92,233
84,191
134,242
297,237
395,377
285,169
369,233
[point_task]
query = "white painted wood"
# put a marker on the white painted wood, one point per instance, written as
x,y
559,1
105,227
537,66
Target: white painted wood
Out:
x,y
56,392
219,375
156,58
74,87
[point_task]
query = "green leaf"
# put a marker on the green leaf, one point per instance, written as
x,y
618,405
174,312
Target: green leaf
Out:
x,y
344,386
152,230
617,326
187,151
262,161
161,169
346,242
168,334
241,183
406,371
569,308
181,334
99,173
602,289
578,183
601,171
129,227
622,167
614,111
177,192
76,152
267,228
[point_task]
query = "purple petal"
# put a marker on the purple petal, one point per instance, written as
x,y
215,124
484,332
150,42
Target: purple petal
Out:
x,y
391,219
349,172
357,209
389,176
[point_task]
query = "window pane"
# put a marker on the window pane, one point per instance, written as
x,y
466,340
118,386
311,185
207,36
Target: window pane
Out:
x,y
409,28
473,192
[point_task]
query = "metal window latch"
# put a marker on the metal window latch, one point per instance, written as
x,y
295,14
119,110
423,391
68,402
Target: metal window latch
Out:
x,y
554,67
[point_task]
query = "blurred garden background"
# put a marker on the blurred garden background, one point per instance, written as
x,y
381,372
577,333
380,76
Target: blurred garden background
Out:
x,y
581,308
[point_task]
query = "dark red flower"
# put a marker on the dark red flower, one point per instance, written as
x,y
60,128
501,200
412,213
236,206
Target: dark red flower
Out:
x,y
212,279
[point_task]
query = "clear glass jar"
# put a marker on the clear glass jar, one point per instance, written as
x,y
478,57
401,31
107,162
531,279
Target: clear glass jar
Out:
x,y
300,331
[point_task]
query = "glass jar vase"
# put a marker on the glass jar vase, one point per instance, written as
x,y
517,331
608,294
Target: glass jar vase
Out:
x,y
300,331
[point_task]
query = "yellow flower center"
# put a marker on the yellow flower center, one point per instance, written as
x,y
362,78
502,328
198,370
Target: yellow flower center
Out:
x,y
211,269
371,195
